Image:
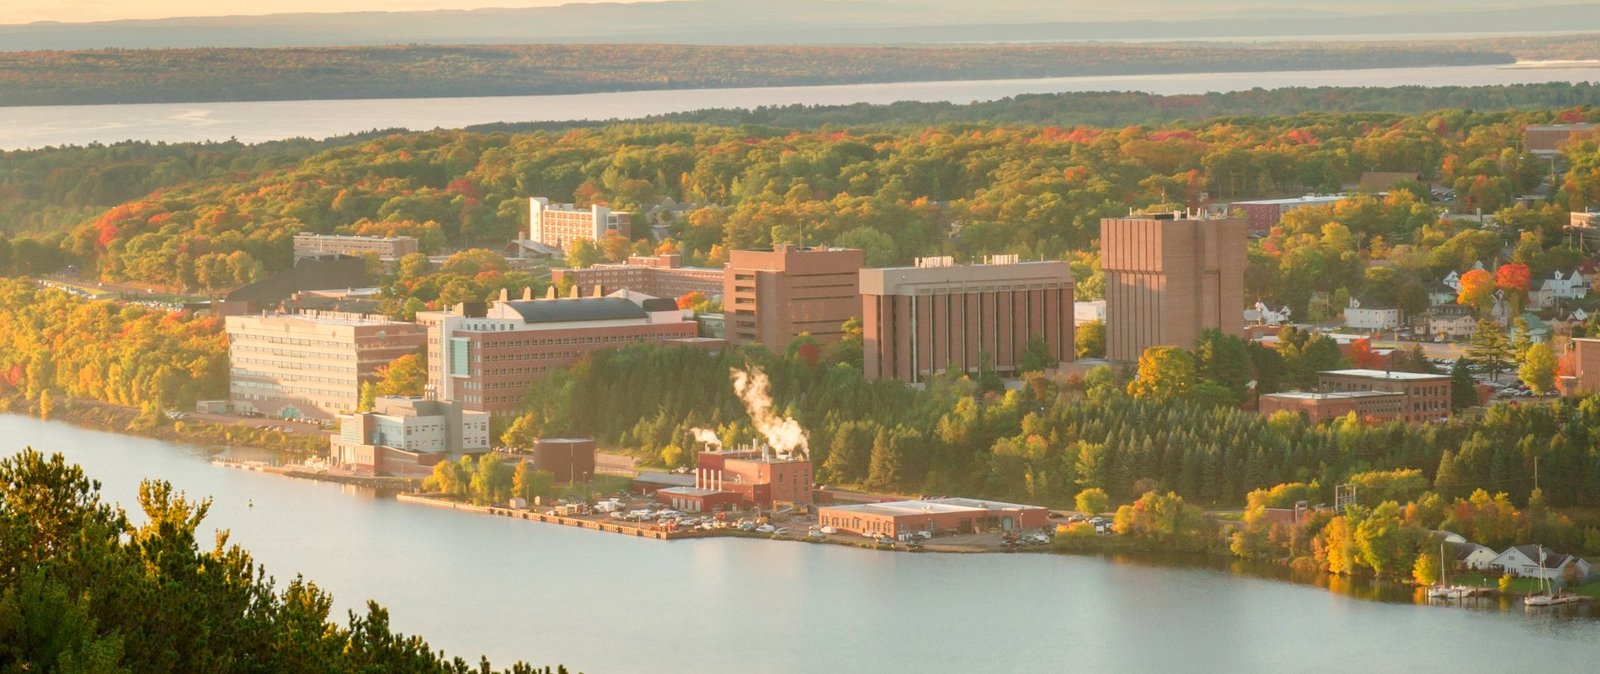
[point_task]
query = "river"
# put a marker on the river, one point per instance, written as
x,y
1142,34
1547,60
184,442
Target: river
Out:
x,y
606,604
252,122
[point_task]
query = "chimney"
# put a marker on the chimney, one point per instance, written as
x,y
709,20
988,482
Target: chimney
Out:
x,y
574,293
527,292
550,293
503,294
597,292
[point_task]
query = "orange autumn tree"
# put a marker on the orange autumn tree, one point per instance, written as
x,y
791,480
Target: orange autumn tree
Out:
x,y
1477,290
1514,278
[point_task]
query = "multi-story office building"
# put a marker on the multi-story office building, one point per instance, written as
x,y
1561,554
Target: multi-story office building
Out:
x,y
1585,376
560,225
385,247
1547,140
1427,396
771,296
1169,276
1375,406
310,365
487,356
657,275
407,436
937,316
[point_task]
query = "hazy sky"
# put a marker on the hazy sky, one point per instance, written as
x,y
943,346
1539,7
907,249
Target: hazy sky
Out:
x,y
27,11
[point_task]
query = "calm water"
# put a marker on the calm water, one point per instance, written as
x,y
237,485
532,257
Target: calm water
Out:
x,y
26,127
605,604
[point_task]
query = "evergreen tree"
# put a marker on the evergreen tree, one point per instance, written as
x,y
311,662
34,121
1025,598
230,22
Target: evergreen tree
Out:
x,y
1463,387
1489,348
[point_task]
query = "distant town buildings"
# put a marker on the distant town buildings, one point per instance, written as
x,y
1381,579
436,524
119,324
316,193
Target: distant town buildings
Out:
x,y
1168,276
657,275
938,316
310,366
935,516
486,356
771,296
1088,312
1262,214
1427,396
407,436
561,225
385,247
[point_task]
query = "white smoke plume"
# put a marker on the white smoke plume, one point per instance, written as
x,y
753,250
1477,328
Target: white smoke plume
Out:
x,y
707,437
783,434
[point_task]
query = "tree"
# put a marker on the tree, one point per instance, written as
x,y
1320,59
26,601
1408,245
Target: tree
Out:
x,y
1463,388
1477,290
1163,519
404,376
1538,369
1089,340
582,254
1225,360
1037,357
530,484
1165,372
1426,569
47,404
1092,500
491,482
1489,348
1515,279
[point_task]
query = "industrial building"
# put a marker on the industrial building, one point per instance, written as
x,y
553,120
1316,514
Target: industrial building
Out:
x,y
772,296
486,356
310,365
1427,396
385,247
1168,276
746,477
938,316
936,516
561,225
656,275
569,460
407,436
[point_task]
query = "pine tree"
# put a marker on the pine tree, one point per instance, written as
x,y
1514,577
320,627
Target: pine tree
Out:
x,y
1463,388
1489,349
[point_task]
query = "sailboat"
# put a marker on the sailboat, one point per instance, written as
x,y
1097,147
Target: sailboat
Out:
x,y
1548,598
1442,591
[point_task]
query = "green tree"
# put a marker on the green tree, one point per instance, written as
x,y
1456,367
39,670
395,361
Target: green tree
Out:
x,y
1165,372
1489,349
530,484
1426,569
491,482
1037,357
1225,360
1538,369
1092,500
1089,340
47,404
582,254
1463,388
404,376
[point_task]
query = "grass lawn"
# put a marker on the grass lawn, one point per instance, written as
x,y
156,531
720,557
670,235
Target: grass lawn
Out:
x,y
1521,585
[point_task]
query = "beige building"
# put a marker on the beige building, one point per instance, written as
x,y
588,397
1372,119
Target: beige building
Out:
x,y
771,296
1168,276
407,436
385,247
561,225
310,366
937,316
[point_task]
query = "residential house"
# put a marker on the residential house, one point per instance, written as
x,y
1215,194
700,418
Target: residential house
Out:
x,y
1545,292
1469,555
1447,322
1371,316
1524,561
1440,293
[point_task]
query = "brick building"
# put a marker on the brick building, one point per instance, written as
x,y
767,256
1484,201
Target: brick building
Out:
x,y
1263,214
937,516
407,436
385,247
1427,396
568,459
936,316
748,477
657,275
1376,406
1585,376
1167,277
486,357
1546,140
560,225
312,365
771,296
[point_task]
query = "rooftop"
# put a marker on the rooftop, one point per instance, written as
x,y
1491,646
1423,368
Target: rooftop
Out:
x,y
658,477
579,309
1334,395
931,506
1307,199
1389,375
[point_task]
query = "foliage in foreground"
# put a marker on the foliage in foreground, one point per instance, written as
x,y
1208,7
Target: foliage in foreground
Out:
x,y
84,589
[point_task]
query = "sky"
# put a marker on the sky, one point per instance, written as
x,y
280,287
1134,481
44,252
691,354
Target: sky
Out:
x,y
28,11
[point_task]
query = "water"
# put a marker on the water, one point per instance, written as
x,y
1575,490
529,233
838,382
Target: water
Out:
x,y
606,604
29,127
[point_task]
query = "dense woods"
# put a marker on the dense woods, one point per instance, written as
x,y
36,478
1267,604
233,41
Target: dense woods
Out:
x,y
406,71
84,588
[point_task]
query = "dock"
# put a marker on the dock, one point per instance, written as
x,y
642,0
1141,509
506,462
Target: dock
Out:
x,y
623,528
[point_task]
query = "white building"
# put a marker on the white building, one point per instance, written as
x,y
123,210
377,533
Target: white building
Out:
x,y
1470,555
561,225
406,436
1371,316
1088,312
1524,561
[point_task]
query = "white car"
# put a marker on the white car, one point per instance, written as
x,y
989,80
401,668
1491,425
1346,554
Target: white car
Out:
x,y
766,529
829,530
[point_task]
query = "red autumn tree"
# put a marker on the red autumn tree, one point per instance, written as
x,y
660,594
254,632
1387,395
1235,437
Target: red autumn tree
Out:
x,y
1477,290
1514,278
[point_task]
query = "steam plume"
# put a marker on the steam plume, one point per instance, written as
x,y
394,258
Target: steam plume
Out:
x,y
783,434
707,437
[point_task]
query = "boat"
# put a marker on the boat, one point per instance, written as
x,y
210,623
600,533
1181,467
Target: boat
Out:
x,y
1441,590
1547,597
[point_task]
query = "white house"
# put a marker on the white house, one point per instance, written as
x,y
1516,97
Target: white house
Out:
x,y
1469,555
1449,322
1523,560
1560,286
1371,316
1440,294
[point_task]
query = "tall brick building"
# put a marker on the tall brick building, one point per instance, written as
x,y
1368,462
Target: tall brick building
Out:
x,y
936,316
561,225
1427,396
1168,276
771,296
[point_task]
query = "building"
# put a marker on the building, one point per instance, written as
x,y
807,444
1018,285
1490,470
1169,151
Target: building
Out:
x,y
656,275
1469,555
771,296
561,225
385,247
310,366
1427,396
749,477
1263,214
1371,316
486,357
1088,311
1447,322
1532,561
407,436
1168,276
570,460
336,272
1382,181
1585,377
1545,292
1584,230
936,316
1547,140
936,516
1373,406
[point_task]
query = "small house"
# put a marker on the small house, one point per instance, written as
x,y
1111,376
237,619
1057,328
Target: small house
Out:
x,y
1525,561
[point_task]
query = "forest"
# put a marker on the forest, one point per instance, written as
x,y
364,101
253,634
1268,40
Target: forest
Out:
x,y
424,71
85,587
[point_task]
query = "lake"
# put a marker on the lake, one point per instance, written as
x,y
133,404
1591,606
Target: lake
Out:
x,y
31,127
605,604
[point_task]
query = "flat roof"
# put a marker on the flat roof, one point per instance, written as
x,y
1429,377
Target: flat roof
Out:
x,y
1308,199
1384,374
932,506
658,477
1332,395
690,491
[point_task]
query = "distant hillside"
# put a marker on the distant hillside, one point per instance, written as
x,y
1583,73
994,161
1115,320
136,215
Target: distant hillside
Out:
x,y
819,22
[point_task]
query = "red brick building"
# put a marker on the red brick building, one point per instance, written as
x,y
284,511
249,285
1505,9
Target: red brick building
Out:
x,y
1427,396
1585,376
570,460
938,516
751,477
1169,276
1375,406
771,296
657,275
918,321
1264,214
